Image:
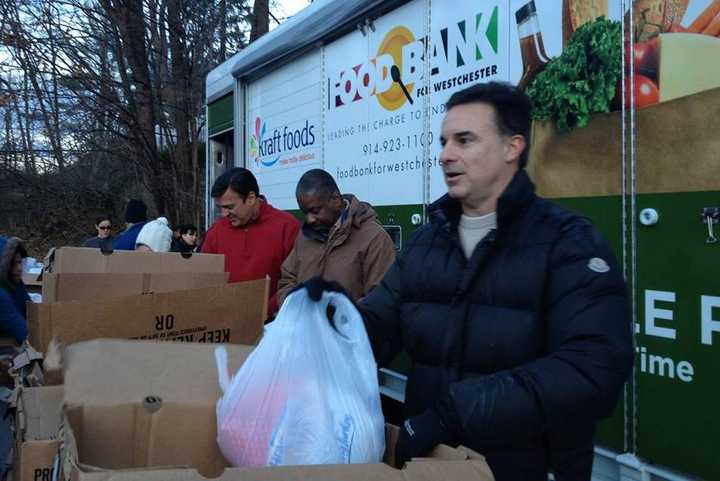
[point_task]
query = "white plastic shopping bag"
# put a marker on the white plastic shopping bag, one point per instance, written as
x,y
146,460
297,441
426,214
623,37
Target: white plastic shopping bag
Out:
x,y
307,394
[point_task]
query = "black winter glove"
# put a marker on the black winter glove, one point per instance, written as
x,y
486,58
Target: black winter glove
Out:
x,y
315,288
418,435
317,285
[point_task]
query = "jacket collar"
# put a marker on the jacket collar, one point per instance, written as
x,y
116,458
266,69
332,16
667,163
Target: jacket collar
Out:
x,y
312,234
263,210
446,211
354,215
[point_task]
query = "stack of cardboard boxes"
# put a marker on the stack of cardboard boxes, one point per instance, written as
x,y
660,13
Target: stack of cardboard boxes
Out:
x,y
132,408
88,294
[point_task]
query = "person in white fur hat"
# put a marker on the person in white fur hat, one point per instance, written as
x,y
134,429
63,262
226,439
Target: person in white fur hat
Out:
x,y
155,236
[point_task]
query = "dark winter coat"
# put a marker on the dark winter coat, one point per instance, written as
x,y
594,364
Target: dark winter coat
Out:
x,y
96,242
13,296
126,240
179,245
521,348
356,253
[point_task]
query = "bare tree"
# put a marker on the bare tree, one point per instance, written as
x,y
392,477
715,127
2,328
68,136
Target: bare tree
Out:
x,y
101,100
260,19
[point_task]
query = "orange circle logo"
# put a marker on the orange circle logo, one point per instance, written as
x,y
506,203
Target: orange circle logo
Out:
x,y
393,44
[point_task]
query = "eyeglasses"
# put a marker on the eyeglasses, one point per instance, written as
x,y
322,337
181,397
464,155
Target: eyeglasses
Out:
x,y
104,227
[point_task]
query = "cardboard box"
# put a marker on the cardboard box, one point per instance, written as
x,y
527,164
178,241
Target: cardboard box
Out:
x,y
232,313
161,422
82,286
38,421
87,260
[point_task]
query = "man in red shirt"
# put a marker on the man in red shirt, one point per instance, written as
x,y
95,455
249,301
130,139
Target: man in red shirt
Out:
x,y
254,236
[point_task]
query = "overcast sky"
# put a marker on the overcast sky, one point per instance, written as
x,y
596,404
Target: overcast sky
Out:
x,y
286,8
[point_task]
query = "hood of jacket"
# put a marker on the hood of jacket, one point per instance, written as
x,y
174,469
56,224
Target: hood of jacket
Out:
x,y
9,246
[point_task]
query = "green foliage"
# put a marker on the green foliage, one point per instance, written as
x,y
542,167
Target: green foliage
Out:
x,y
583,80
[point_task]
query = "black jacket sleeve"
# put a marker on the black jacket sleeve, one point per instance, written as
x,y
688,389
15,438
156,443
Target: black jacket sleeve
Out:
x,y
588,333
381,312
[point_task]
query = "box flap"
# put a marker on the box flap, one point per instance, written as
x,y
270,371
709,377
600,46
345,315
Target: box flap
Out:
x,y
40,408
229,313
471,469
156,440
440,452
94,286
89,260
421,471
116,371
176,434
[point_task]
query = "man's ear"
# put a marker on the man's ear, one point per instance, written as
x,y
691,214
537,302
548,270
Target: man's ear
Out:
x,y
514,147
251,197
337,200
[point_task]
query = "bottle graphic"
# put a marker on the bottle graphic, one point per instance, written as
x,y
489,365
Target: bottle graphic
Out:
x,y
532,48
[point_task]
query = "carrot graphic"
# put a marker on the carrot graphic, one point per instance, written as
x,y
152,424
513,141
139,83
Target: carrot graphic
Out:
x,y
705,18
713,29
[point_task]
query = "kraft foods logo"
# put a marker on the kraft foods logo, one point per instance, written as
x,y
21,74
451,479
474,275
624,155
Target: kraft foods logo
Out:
x,y
391,76
267,148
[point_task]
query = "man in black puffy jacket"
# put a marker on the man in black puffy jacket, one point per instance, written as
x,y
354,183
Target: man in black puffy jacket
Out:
x,y
512,309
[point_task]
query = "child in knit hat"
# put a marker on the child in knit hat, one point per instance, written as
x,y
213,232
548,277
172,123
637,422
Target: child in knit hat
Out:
x,y
155,236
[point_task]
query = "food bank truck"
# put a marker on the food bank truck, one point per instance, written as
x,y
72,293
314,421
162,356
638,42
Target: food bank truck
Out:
x,y
627,133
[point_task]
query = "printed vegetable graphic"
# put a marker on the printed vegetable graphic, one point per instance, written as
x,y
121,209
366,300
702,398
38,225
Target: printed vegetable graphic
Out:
x,y
713,28
646,92
582,81
705,18
645,56
667,58
666,61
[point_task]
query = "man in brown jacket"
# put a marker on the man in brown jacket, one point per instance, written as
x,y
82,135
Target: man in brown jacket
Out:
x,y
341,240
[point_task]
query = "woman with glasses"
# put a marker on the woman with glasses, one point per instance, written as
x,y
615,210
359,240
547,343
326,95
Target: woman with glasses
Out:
x,y
103,239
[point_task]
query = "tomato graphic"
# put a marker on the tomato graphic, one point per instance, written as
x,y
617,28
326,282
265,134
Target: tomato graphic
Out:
x,y
645,57
646,91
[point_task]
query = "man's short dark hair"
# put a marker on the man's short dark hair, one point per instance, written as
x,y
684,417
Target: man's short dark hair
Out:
x,y
239,179
512,107
317,182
